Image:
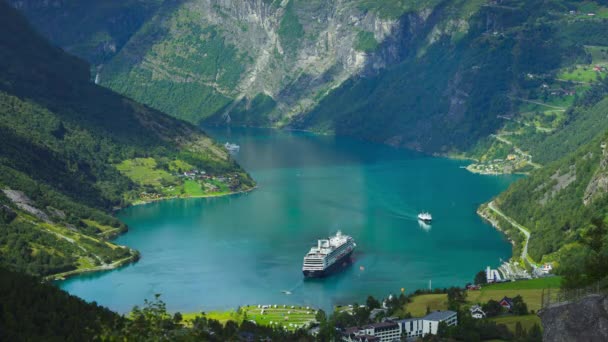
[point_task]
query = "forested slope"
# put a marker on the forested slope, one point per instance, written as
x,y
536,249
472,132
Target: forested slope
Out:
x,y
63,145
437,75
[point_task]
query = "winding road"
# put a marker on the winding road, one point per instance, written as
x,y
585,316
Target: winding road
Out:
x,y
524,252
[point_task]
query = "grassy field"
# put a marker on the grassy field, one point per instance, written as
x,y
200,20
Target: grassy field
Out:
x,y
286,316
433,301
539,283
221,316
143,171
532,297
581,73
530,290
599,54
193,188
510,321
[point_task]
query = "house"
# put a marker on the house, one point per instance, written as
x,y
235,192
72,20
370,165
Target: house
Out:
x,y
477,312
506,303
365,338
546,268
377,332
432,320
429,324
412,327
472,287
393,330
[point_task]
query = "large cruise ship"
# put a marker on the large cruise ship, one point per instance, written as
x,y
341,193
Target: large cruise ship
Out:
x,y
328,256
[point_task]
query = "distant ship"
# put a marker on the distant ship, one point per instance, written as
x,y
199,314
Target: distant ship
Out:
x,y
328,256
232,147
425,217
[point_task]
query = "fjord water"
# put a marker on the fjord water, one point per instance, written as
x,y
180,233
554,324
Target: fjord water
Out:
x,y
219,253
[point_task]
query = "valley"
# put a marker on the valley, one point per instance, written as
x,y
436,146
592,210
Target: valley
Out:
x,y
119,180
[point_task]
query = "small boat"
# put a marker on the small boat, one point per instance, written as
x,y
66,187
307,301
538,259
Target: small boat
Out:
x,y
232,147
425,217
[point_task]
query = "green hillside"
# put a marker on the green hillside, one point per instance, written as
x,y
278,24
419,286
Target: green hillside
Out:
x,y
439,76
64,144
564,205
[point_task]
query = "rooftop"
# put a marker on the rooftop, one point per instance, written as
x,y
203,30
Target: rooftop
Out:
x,y
381,325
439,315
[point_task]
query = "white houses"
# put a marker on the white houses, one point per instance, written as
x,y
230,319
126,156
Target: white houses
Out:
x,y
432,320
477,312
412,327
381,332
393,330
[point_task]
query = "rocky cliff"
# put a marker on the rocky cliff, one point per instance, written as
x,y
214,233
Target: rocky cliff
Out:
x,y
585,320
254,62
245,62
434,75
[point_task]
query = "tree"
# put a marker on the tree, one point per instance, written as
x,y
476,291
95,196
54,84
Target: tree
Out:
x,y
372,303
456,297
519,306
177,318
321,316
492,308
481,278
442,329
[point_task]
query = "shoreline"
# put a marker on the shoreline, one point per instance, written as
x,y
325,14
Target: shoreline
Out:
x,y
135,254
481,211
223,194
486,173
134,257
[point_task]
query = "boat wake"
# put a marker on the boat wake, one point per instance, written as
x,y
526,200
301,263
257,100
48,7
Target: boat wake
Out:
x,y
290,291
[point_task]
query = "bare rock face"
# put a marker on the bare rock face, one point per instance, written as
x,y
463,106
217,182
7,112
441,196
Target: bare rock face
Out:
x,y
599,183
24,203
585,320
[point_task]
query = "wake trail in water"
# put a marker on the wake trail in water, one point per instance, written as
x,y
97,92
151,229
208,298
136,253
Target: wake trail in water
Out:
x,y
295,287
395,207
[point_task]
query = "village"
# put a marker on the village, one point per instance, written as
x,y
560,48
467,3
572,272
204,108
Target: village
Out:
x,y
411,317
194,183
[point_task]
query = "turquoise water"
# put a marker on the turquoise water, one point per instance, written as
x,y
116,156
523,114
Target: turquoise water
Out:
x,y
218,253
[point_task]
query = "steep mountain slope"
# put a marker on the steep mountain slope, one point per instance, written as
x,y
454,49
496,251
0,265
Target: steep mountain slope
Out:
x,y
564,204
262,62
71,151
434,75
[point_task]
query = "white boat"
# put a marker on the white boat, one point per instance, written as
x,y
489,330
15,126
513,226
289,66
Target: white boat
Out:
x,y
425,217
328,256
232,147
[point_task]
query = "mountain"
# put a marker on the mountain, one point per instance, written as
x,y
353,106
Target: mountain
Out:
x,y
435,75
564,205
72,151
517,86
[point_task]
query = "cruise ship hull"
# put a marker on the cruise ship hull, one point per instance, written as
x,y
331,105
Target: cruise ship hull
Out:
x,y
335,267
